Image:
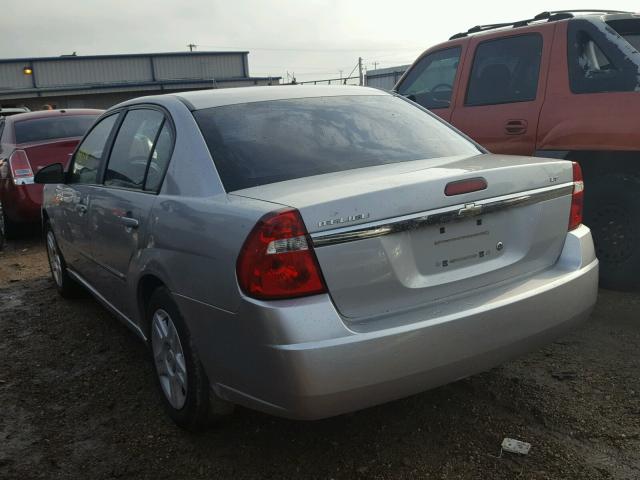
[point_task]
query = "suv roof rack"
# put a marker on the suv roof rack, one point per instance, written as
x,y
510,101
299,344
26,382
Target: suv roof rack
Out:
x,y
551,16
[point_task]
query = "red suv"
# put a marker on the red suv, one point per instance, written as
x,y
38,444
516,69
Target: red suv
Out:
x,y
565,85
28,142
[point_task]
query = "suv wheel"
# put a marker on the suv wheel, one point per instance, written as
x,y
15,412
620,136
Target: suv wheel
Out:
x,y
180,376
66,286
612,211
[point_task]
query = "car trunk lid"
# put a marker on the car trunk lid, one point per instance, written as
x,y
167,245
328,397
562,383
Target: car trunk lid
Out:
x,y
388,239
42,154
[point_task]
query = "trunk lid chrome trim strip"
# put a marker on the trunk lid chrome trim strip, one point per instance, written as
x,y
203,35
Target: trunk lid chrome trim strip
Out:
x,y
438,216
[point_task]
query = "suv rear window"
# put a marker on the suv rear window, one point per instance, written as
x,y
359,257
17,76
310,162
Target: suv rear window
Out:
x,y
40,129
266,142
629,29
600,59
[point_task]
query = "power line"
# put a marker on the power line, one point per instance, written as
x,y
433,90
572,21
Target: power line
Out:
x,y
288,49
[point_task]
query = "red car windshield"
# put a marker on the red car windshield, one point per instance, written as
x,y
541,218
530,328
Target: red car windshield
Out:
x,y
41,129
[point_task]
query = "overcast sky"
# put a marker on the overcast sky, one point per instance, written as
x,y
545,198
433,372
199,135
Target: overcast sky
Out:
x,y
313,38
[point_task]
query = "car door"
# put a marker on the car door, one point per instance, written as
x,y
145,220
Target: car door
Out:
x,y
121,206
75,196
431,81
503,91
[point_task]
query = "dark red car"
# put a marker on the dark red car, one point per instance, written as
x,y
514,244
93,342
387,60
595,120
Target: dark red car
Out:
x,y
28,142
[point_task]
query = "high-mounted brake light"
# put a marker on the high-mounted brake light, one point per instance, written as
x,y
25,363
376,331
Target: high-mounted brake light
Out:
x,y
465,186
577,198
20,168
277,260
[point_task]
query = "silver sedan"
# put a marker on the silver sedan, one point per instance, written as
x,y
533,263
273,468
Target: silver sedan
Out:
x,y
310,251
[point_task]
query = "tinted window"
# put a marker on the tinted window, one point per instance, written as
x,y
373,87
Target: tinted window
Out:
x,y
159,158
430,81
40,129
132,148
265,142
600,60
505,70
629,29
86,161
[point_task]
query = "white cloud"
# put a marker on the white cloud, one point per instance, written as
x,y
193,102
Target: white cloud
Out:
x,y
313,38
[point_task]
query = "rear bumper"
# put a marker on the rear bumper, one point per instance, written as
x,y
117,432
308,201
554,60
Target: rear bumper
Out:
x,y
22,203
299,359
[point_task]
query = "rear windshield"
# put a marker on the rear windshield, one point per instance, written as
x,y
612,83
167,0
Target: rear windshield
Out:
x,y
265,142
40,129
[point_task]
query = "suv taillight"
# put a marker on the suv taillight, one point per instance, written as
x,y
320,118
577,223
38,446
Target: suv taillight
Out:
x,y
20,168
577,199
277,260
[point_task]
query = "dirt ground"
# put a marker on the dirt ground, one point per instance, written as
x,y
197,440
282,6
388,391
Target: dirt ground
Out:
x,y
78,401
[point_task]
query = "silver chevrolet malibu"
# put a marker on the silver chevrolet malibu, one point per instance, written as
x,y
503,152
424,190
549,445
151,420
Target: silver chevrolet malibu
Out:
x,y
310,251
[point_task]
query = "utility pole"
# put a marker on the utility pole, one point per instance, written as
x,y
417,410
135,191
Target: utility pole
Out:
x,y
192,47
360,78
375,65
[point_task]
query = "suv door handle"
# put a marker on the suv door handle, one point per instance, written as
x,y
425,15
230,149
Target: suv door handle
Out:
x,y
129,222
515,127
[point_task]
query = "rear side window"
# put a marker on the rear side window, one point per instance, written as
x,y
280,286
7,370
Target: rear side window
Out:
x,y
505,70
600,59
86,161
132,148
159,158
430,81
629,29
265,142
41,129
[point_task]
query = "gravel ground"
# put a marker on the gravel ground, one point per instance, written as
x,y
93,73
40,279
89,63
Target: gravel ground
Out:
x,y
78,401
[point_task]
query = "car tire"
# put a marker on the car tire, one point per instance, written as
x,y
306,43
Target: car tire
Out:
x,y
67,287
612,212
184,387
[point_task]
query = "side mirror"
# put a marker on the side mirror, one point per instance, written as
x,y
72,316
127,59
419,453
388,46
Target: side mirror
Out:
x,y
53,173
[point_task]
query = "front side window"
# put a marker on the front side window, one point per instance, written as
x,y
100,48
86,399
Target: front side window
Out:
x,y
272,141
600,59
505,70
86,161
430,81
132,149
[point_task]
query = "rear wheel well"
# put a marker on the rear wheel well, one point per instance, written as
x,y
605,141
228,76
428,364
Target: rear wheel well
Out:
x,y
45,219
596,165
146,286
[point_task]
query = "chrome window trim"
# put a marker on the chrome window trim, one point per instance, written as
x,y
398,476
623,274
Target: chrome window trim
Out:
x,y
438,216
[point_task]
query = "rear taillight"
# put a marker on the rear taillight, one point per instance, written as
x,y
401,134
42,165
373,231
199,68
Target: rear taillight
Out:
x,y
20,168
277,260
577,198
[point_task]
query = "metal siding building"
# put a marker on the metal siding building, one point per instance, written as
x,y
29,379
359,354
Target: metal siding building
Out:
x,y
385,78
102,80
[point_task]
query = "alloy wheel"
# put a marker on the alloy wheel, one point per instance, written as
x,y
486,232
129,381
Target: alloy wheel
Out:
x,y
169,359
55,262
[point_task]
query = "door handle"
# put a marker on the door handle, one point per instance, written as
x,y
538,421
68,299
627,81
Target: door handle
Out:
x,y
515,127
129,222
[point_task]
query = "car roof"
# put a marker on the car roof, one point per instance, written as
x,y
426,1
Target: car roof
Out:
x,y
201,99
51,113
